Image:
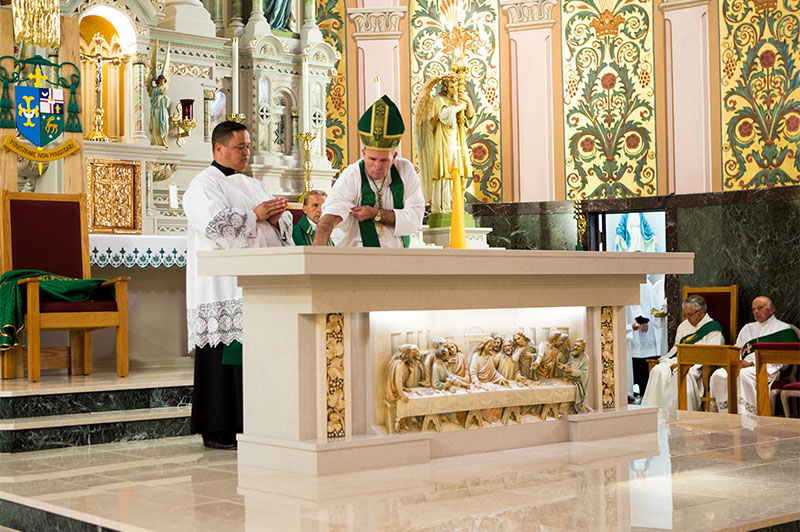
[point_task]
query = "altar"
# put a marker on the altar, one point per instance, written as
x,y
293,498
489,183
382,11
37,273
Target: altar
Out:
x,y
320,324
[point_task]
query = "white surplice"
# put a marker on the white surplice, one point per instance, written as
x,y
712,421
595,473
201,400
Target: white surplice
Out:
x,y
219,214
346,194
746,384
662,386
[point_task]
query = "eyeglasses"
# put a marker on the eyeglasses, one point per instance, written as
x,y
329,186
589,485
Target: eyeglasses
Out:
x,y
689,315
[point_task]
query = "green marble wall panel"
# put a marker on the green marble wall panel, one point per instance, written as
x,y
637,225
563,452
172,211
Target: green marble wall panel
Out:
x,y
753,245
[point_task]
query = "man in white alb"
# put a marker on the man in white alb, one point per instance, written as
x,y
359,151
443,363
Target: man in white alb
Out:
x,y
766,328
377,201
697,328
224,209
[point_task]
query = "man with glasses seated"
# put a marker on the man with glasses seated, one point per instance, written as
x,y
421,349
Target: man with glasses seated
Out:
x,y
698,328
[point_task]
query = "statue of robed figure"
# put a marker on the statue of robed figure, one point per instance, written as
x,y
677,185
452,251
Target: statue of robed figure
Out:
x,y
157,85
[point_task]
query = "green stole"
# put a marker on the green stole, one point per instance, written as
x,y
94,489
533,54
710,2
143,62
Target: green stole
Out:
x,y
232,354
780,337
303,233
13,301
696,336
369,234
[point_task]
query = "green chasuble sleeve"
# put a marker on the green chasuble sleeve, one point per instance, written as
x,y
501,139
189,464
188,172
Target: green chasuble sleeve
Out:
x,y
51,288
780,337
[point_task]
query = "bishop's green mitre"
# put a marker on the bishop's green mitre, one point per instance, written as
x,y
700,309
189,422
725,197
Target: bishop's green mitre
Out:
x,y
381,126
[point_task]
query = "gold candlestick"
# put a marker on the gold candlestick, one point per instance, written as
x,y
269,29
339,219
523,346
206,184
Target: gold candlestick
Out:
x,y
184,125
306,139
580,218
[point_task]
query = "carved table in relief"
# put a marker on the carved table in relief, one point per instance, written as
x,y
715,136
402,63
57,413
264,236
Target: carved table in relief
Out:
x,y
290,384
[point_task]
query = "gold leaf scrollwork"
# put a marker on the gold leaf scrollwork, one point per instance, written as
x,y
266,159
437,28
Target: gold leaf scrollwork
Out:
x,y
334,356
114,196
607,348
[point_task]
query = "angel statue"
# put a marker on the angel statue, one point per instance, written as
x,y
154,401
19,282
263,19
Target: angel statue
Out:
x,y
441,132
159,101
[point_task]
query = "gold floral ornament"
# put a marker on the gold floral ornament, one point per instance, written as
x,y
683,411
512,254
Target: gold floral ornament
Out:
x,y
761,5
607,24
37,22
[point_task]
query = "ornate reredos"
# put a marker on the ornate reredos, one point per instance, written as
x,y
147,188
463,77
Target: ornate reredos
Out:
x,y
143,14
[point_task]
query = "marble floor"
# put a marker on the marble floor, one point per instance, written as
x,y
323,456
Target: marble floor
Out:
x,y
699,472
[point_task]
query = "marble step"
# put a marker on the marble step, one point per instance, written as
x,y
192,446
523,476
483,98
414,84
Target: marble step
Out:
x,y
67,430
89,400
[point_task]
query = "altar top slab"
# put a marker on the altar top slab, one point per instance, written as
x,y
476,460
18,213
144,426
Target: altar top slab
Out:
x,y
330,261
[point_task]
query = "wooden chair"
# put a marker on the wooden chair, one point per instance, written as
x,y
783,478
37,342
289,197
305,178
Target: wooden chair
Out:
x,y
771,353
722,304
49,232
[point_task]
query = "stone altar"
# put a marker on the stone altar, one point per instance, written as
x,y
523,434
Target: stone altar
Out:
x,y
295,397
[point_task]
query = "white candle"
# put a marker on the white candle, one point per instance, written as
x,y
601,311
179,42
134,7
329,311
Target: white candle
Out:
x,y
377,82
235,77
306,99
173,196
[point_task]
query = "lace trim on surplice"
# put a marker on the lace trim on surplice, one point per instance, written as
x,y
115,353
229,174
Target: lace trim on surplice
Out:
x,y
215,323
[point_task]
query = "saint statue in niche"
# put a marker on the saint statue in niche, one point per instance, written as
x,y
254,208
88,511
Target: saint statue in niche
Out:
x,y
159,101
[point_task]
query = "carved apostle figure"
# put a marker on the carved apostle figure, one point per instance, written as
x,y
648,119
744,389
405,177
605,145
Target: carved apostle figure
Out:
x,y
457,363
504,362
396,374
577,372
549,351
523,354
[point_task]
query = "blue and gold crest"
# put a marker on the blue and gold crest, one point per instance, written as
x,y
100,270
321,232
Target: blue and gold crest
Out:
x,y
39,114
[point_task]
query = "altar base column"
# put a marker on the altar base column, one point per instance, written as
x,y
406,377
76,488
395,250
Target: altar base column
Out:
x,y
530,35
688,97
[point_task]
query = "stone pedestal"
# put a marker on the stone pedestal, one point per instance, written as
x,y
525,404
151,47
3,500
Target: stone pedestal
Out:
x,y
440,236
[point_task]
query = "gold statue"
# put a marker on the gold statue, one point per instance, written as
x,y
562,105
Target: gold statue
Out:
x,y
441,124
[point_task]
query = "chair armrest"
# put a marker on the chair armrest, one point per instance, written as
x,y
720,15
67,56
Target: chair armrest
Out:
x,y
115,280
28,280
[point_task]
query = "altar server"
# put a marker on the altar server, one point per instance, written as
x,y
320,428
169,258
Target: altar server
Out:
x,y
697,328
224,209
377,201
766,328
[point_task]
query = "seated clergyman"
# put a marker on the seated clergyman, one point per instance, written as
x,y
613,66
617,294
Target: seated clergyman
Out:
x,y
696,328
766,328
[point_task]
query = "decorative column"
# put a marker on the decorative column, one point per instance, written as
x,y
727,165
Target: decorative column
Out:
x,y
236,26
688,96
257,24
530,33
139,91
188,16
218,16
377,37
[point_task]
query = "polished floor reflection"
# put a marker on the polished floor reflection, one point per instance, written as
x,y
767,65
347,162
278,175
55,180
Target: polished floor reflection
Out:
x,y
700,472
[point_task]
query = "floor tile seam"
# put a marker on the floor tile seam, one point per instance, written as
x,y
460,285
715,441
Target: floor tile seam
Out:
x,y
90,418
83,517
76,388
96,469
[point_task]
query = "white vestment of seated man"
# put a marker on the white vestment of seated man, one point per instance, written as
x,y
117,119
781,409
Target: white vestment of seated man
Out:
x,y
746,384
662,386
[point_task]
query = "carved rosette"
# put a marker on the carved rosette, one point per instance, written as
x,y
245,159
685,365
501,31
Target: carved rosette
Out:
x,y
114,196
528,14
377,23
607,348
334,356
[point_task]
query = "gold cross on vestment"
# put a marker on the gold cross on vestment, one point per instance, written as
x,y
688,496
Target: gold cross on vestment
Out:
x,y
38,77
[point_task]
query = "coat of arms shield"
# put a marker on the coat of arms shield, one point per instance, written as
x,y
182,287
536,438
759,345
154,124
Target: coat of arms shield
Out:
x,y
39,114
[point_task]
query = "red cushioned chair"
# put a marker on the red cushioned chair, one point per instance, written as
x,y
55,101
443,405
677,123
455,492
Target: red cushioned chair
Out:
x,y
722,303
785,353
49,232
